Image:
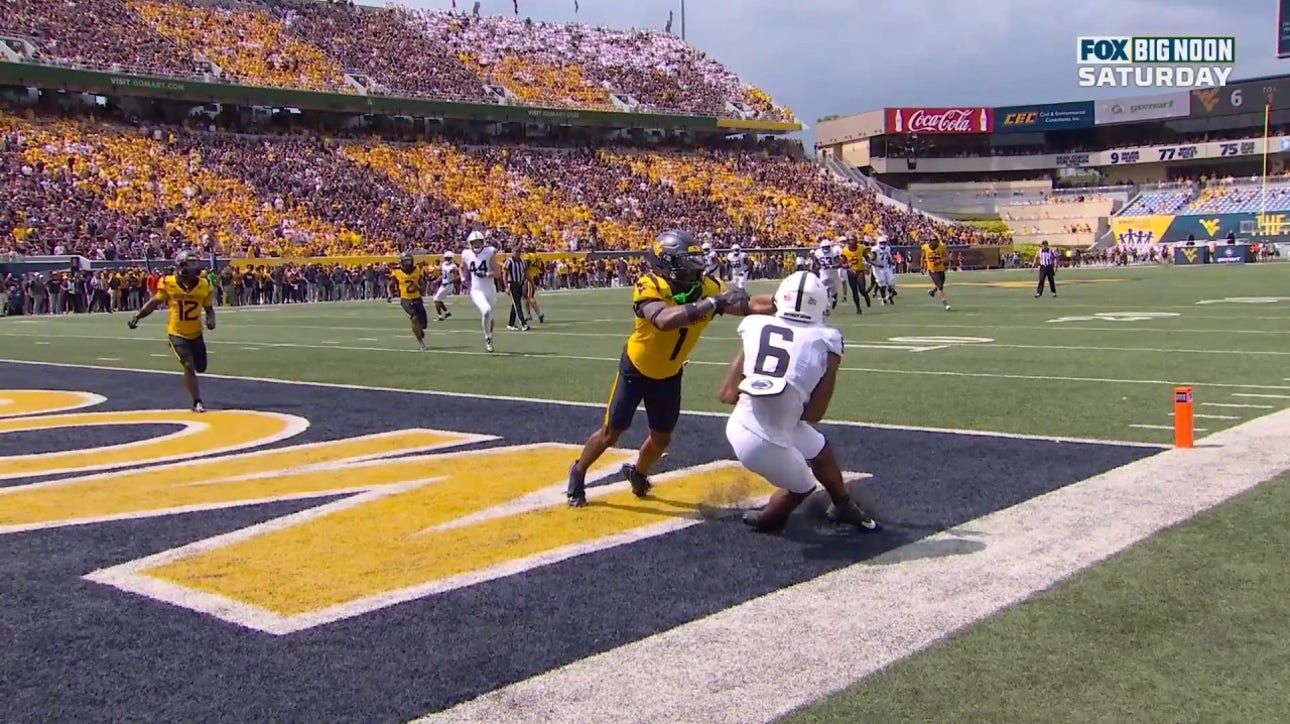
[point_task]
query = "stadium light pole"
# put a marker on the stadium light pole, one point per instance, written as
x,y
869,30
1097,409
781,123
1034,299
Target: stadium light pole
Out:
x,y
682,19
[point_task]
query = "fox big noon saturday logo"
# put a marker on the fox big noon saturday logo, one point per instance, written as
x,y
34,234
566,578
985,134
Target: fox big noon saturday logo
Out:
x,y
1139,61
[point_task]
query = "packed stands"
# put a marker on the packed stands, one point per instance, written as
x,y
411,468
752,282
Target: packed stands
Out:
x,y
381,44
105,188
247,44
94,33
392,50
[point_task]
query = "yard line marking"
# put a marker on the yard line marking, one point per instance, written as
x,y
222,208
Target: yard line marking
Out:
x,y
709,363
596,405
108,359
433,332
251,349
1273,397
42,342
1240,405
1200,416
1163,427
893,606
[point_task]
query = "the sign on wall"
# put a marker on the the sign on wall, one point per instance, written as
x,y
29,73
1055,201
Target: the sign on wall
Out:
x,y
940,120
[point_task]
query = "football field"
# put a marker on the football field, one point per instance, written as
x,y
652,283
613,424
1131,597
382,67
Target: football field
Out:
x,y
358,531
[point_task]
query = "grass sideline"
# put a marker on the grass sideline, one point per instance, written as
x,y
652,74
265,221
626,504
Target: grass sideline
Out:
x,y
1188,626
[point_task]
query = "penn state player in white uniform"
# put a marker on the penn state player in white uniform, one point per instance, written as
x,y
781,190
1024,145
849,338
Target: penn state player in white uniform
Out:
x,y
824,262
884,271
447,272
479,266
839,266
710,260
782,380
738,261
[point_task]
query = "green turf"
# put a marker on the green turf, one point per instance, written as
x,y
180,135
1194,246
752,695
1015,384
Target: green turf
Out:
x,y
1088,378
1187,627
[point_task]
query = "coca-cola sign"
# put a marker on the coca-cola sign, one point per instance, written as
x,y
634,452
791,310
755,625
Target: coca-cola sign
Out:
x,y
940,120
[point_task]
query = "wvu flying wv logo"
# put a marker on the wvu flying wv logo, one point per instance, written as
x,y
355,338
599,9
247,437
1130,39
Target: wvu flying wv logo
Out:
x,y
1190,253
1201,61
1211,226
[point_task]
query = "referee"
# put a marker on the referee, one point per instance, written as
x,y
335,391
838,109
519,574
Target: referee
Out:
x,y
514,275
1046,260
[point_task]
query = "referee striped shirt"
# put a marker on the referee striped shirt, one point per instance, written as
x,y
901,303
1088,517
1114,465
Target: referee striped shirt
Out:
x,y
1047,257
516,271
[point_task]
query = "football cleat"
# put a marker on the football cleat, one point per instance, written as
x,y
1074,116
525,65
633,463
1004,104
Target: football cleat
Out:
x,y
421,346
488,344
512,328
640,484
852,515
198,406
576,492
525,328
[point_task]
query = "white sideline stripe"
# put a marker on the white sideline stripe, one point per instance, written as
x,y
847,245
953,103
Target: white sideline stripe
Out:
x,y
596,405
1238,405
717,669
1273,397
1165,427
708,363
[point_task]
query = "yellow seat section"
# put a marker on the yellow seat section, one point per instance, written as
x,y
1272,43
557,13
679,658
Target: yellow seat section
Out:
x,y
497,199
773,213
248,44
539,83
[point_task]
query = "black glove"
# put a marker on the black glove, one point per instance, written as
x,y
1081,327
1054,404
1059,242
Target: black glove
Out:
x,y
133,323
737,297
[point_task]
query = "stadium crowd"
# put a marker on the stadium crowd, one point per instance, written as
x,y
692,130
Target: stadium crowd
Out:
x,y
127,188
392,49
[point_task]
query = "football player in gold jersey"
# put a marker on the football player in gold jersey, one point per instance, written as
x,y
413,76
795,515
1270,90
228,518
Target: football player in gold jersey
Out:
x,y
187,293
936,259
673,304
856,257
407,280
